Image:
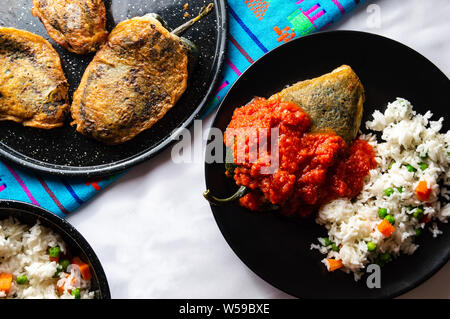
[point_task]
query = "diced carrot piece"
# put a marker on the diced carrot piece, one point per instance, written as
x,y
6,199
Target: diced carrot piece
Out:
x,y
334,264
425,219
55,259
422,191
84,268
61,284
386,228
5,282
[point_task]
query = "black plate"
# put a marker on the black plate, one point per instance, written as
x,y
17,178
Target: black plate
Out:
x,y
62,151
278,248
29,214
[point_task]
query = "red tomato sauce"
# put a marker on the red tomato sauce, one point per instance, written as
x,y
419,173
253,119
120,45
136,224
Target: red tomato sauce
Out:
x,y
313,168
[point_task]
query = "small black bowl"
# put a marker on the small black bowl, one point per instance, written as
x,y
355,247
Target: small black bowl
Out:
x,y
30,214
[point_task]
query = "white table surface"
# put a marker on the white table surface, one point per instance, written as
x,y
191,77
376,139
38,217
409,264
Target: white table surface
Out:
x,y
155,234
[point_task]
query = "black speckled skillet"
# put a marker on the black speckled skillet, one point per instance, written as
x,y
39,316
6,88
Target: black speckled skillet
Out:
x,y
62,151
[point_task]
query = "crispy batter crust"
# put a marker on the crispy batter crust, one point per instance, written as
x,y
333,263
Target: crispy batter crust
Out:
x,y
33,88
137,76
77,25
334,101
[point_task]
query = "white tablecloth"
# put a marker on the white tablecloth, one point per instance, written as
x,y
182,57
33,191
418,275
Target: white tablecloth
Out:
x,y
155,234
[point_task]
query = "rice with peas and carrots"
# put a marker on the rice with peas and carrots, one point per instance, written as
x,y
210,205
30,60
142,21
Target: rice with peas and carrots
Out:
x,y
403,197
34,264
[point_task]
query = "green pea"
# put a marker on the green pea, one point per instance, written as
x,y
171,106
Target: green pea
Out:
x,y
76,293
390,219
423,166
448,153
389,191
327,241
382,212
386,257
371,246
334,247
418,232
54,252
400,189
410,168
64,264
59,269
418,213
22,280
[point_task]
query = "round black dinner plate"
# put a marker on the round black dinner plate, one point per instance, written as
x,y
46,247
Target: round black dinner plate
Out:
x,y
30,214
278,248
63,151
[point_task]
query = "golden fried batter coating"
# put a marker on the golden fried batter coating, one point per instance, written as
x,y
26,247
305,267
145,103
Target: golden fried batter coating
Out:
x,y
77,25
33,88
137,76
333,101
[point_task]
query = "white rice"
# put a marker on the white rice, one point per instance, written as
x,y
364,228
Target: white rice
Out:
x,y
24,251
351,224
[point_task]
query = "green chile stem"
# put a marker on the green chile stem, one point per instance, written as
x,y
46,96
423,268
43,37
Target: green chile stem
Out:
x,y
222,201
184,27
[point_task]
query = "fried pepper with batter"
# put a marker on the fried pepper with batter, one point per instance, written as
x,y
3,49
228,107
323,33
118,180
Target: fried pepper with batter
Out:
x,y
333,101
77,25
33,88
134,80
